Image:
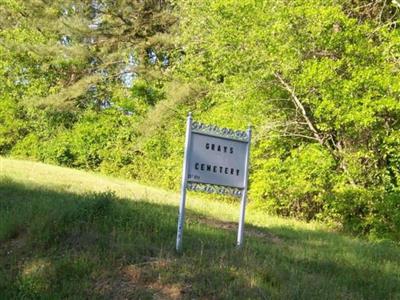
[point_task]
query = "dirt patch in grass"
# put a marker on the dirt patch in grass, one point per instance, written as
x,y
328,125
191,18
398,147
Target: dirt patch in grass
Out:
x,y
14,244
139,281
80,240
232,226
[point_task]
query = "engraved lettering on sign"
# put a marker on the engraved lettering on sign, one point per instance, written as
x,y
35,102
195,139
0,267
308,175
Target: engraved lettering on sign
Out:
x,y
219,148
215,169
217,160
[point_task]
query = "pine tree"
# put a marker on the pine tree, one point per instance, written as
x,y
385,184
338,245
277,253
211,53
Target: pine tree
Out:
x,y
85,49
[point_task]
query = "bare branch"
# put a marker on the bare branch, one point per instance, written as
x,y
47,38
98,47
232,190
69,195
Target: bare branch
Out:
x,y
288,134
300,106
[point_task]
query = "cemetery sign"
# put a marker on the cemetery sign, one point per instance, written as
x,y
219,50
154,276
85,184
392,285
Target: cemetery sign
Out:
x,y
215,161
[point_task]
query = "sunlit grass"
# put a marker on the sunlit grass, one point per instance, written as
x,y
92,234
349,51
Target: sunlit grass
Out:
x,y
77,181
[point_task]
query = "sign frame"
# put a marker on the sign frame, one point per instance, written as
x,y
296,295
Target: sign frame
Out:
x,y
193,127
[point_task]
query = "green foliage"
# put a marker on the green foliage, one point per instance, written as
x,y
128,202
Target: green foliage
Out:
x,y
295,186
321,77
372,212
91,143
12,127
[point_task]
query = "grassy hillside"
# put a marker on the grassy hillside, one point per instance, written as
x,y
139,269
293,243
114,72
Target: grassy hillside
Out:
x,y
67,233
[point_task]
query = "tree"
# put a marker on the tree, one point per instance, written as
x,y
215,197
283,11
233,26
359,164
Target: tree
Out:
x,y
319,81
63,59
89,43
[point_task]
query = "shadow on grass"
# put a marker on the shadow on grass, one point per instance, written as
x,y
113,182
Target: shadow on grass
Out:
x,y
58,244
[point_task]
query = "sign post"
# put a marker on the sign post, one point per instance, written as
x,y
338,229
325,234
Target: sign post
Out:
x,y
244,195
186,158
216,160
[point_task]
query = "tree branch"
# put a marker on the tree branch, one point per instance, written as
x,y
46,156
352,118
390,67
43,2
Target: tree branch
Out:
x,y
300,106
313,129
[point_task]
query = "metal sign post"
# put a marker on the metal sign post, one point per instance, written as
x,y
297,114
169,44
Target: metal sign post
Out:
x,y
244,195
216,160
182,203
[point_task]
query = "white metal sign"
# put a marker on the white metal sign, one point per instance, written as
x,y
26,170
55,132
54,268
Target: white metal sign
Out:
x,y
215,160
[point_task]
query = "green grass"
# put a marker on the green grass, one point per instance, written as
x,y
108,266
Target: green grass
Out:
x,y
71,234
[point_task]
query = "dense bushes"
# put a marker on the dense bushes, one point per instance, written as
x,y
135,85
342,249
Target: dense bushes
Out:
x,y
97,141
297,185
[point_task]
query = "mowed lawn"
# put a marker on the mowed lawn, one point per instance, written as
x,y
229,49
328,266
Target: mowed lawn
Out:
x,y
72,234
